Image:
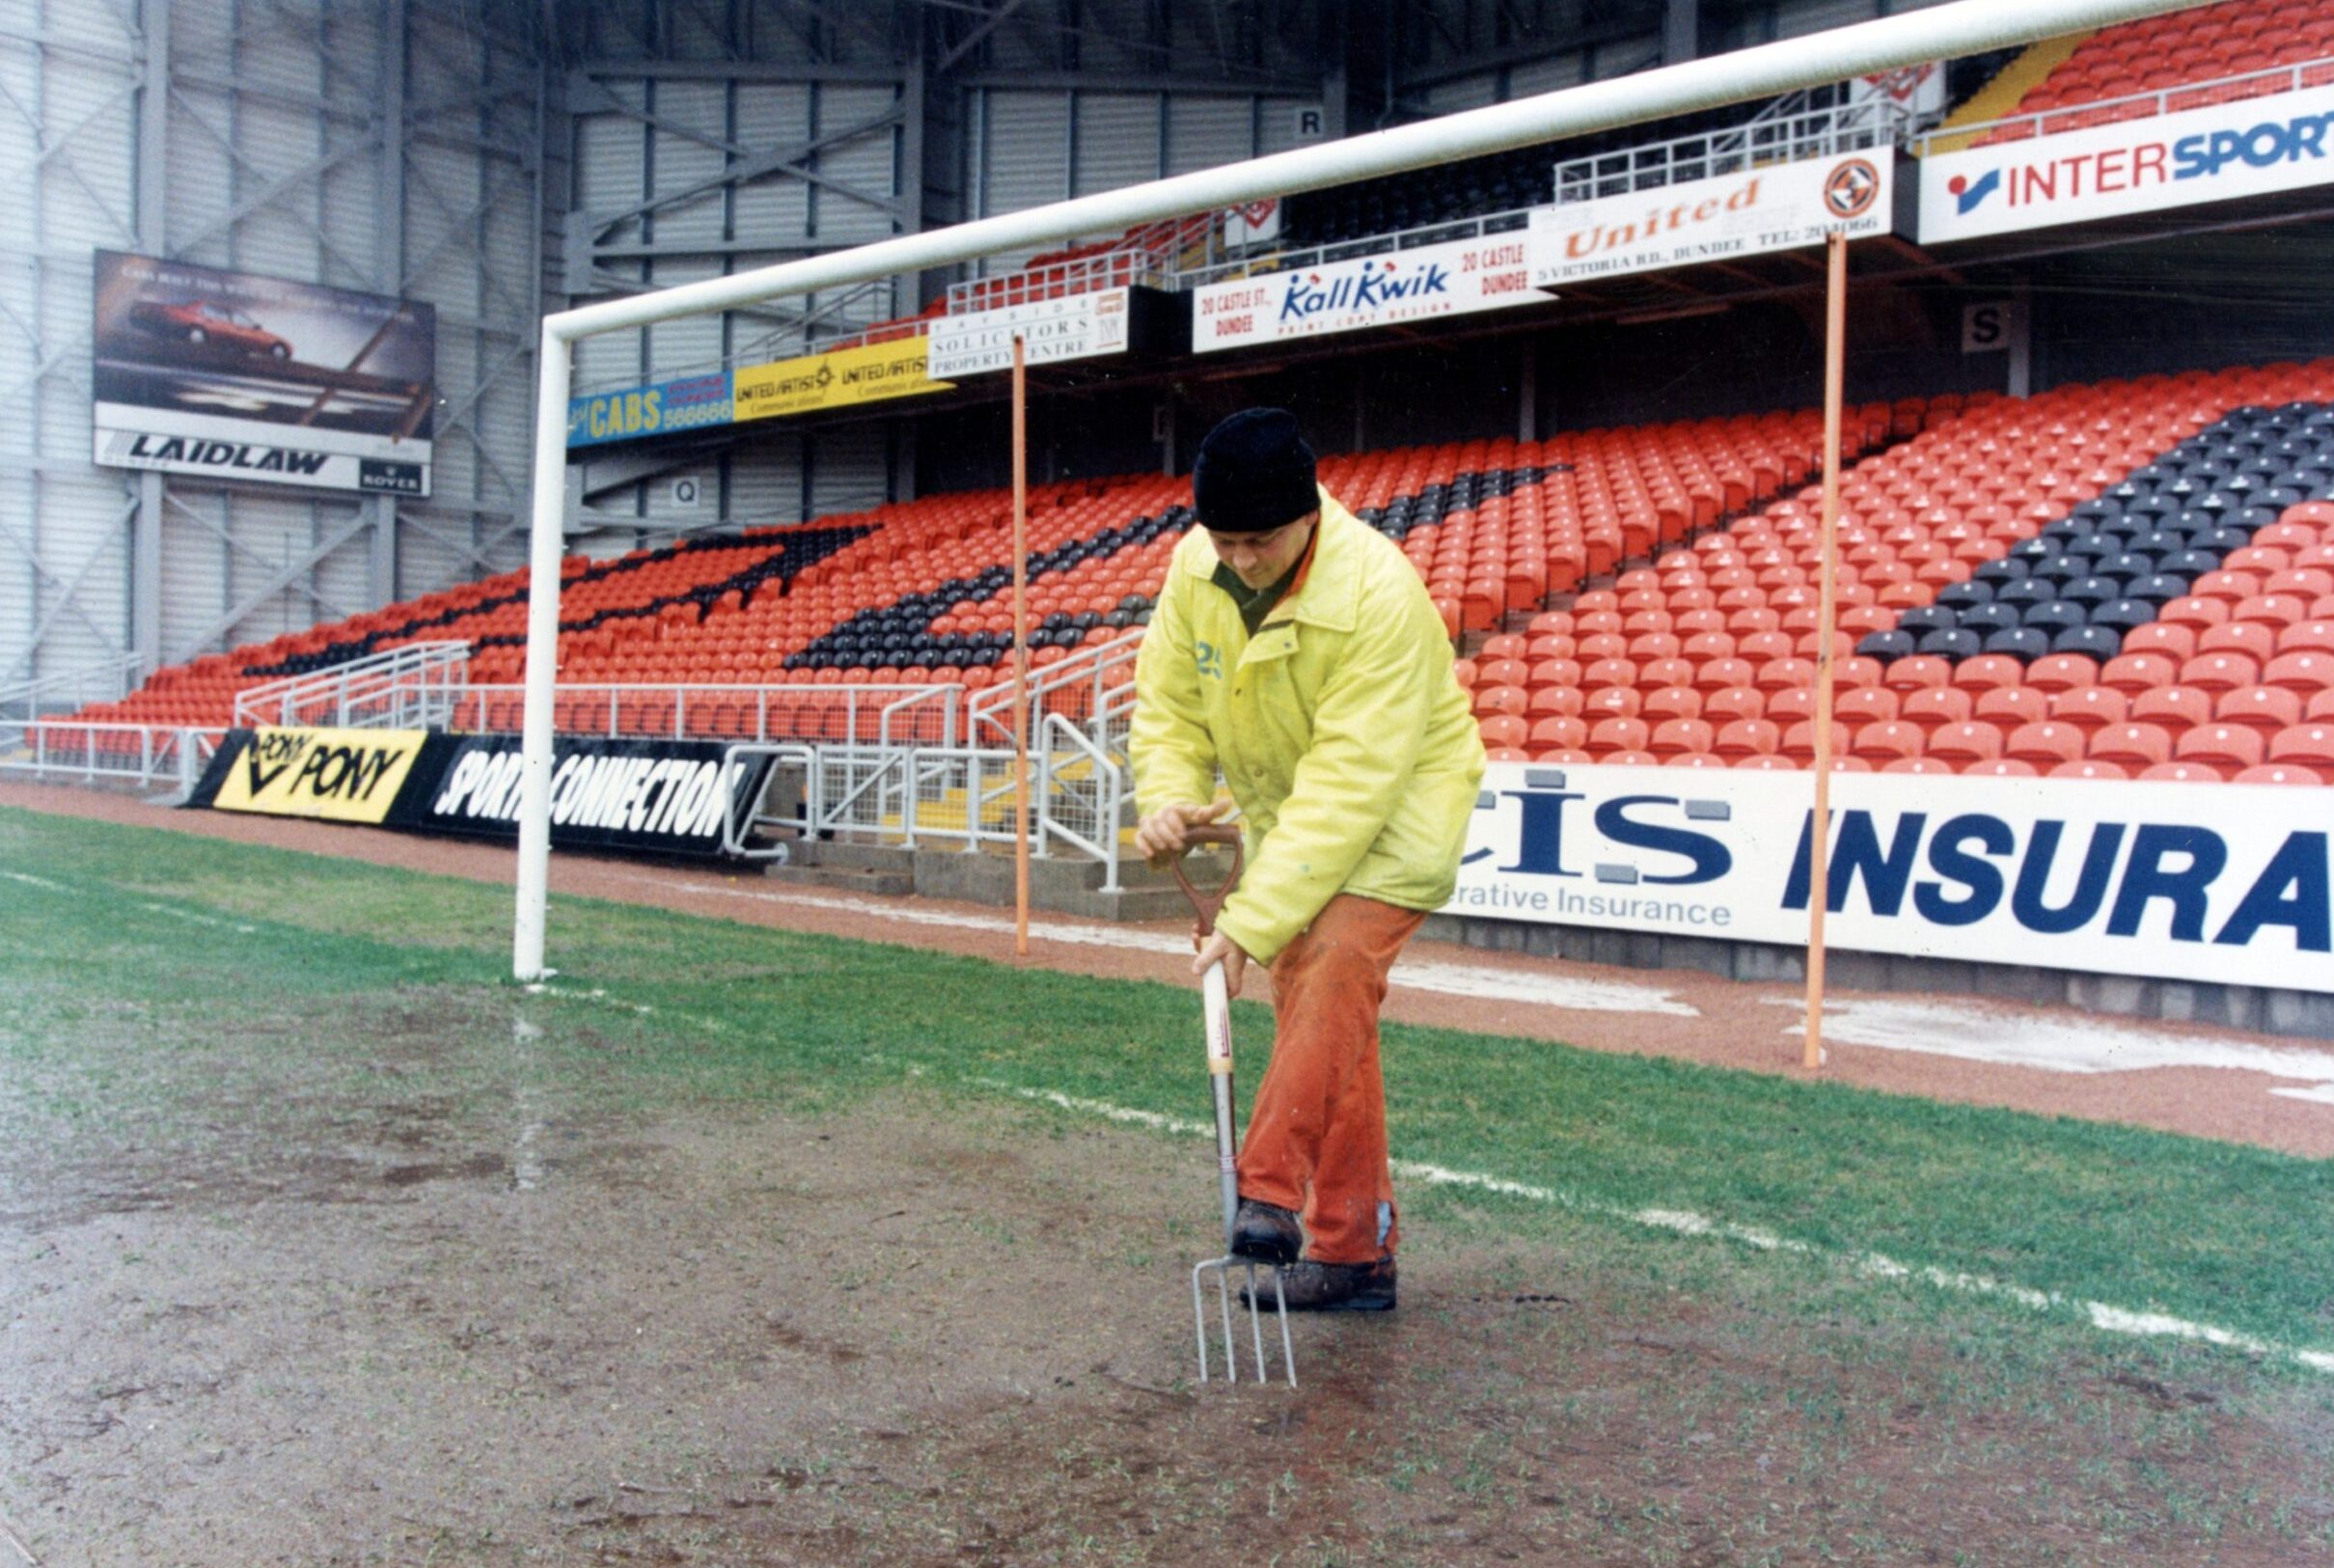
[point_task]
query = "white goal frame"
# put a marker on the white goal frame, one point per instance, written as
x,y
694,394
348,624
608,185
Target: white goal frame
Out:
x,y
1946,32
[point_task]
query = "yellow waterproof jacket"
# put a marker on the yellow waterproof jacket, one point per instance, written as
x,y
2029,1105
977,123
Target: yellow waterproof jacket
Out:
x,y
1339,728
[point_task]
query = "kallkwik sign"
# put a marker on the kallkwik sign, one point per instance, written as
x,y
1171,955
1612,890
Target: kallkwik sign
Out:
x,y
2250,147
2203,882
1783,206
1384,289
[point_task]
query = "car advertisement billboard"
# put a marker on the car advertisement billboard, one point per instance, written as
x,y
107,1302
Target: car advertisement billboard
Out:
x,y
2252,146
2183,881
260,380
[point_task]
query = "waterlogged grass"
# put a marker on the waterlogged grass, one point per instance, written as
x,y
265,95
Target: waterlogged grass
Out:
x,y
155,959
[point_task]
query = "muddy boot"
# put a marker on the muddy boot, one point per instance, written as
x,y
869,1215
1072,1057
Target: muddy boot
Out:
x,y
1332,1287
1266,1233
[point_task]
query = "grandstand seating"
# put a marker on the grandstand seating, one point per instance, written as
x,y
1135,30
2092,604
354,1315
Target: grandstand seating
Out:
x,y
2204,46
2110,580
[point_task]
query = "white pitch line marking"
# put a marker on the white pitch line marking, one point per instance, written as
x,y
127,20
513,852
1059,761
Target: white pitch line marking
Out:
x,y
2061,1045
32,881
190,916
1430,975
1685,1223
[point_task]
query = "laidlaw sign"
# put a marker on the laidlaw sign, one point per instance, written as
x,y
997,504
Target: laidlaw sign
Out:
x,y
2254,146
1784,207
2205,882
1386,290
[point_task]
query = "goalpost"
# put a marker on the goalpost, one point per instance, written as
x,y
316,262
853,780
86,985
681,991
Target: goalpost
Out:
x,y
1944,32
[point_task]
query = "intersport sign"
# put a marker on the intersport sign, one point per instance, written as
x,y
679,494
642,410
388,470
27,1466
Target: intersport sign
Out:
x,y
2254,146
2223,883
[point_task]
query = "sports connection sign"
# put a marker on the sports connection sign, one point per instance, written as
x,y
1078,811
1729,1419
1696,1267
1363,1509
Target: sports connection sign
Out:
x,y
1076,326
812,383
260,380
339,775
2254,146
2224,883
1388,290
693,403
1785,206
667,796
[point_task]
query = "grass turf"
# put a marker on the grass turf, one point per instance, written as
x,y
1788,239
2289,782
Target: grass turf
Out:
x,y
186,948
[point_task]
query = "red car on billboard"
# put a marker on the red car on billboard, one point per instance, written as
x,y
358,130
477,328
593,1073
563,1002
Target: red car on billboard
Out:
x,y
206,323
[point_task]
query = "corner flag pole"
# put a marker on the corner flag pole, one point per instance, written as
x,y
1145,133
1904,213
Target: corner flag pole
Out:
x,y
1021,648
1818,831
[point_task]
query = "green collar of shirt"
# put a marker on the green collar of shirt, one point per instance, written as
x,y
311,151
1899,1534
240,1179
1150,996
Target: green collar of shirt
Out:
x,y
1255,603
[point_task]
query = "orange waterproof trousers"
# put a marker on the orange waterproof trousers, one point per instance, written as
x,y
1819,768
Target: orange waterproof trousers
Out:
x,y
1316,1140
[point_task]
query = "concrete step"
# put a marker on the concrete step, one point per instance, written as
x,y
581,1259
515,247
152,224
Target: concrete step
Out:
x,y
1058,884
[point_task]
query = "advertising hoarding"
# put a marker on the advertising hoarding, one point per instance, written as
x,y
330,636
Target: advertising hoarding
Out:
x,y
2252,146
1422,284
813,383
1076,326
1783,206
260,380
2217,882
691,403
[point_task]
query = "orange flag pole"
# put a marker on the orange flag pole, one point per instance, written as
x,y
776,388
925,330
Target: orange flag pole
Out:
x,y
1021,649
1819,831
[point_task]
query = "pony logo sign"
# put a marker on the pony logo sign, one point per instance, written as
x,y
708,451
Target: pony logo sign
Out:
x,y
2121,878
344,775
2254,146
672,797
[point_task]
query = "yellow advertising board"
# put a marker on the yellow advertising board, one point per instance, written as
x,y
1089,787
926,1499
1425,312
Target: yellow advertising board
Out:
x,y
346,774
869,374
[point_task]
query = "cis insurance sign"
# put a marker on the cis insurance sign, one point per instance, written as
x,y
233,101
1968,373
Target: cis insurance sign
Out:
x,y
2253,146
2203,882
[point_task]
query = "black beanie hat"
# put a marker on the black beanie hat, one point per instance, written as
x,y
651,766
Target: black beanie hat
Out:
x,y
1255,474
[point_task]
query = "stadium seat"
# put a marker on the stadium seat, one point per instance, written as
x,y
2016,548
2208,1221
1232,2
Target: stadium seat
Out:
x,y
2279,772
2133,746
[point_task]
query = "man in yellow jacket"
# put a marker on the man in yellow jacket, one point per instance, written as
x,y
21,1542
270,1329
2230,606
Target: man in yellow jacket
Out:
x,y
1295,649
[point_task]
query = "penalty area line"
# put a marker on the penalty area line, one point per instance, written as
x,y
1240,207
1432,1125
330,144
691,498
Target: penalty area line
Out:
x,y
2101,1315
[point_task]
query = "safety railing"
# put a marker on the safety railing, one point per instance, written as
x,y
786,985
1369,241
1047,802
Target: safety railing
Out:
x,y
1847,126
2160,100
1082,796
71,689
1400,239
852,715
754,830
1078,685
920,796
405,688
142,756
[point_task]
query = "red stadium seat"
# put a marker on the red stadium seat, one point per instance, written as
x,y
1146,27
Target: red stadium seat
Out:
x,y
1959,745
2131,746
1879,742
2045,745
2089,768
2311,745
2228,747
2182,772
2263,710
2279,772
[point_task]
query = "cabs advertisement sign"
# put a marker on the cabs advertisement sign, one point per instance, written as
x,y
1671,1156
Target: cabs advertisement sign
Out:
x,y
813,383
340,775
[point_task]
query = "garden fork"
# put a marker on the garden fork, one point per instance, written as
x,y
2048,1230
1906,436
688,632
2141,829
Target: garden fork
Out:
x,y
1219,1007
